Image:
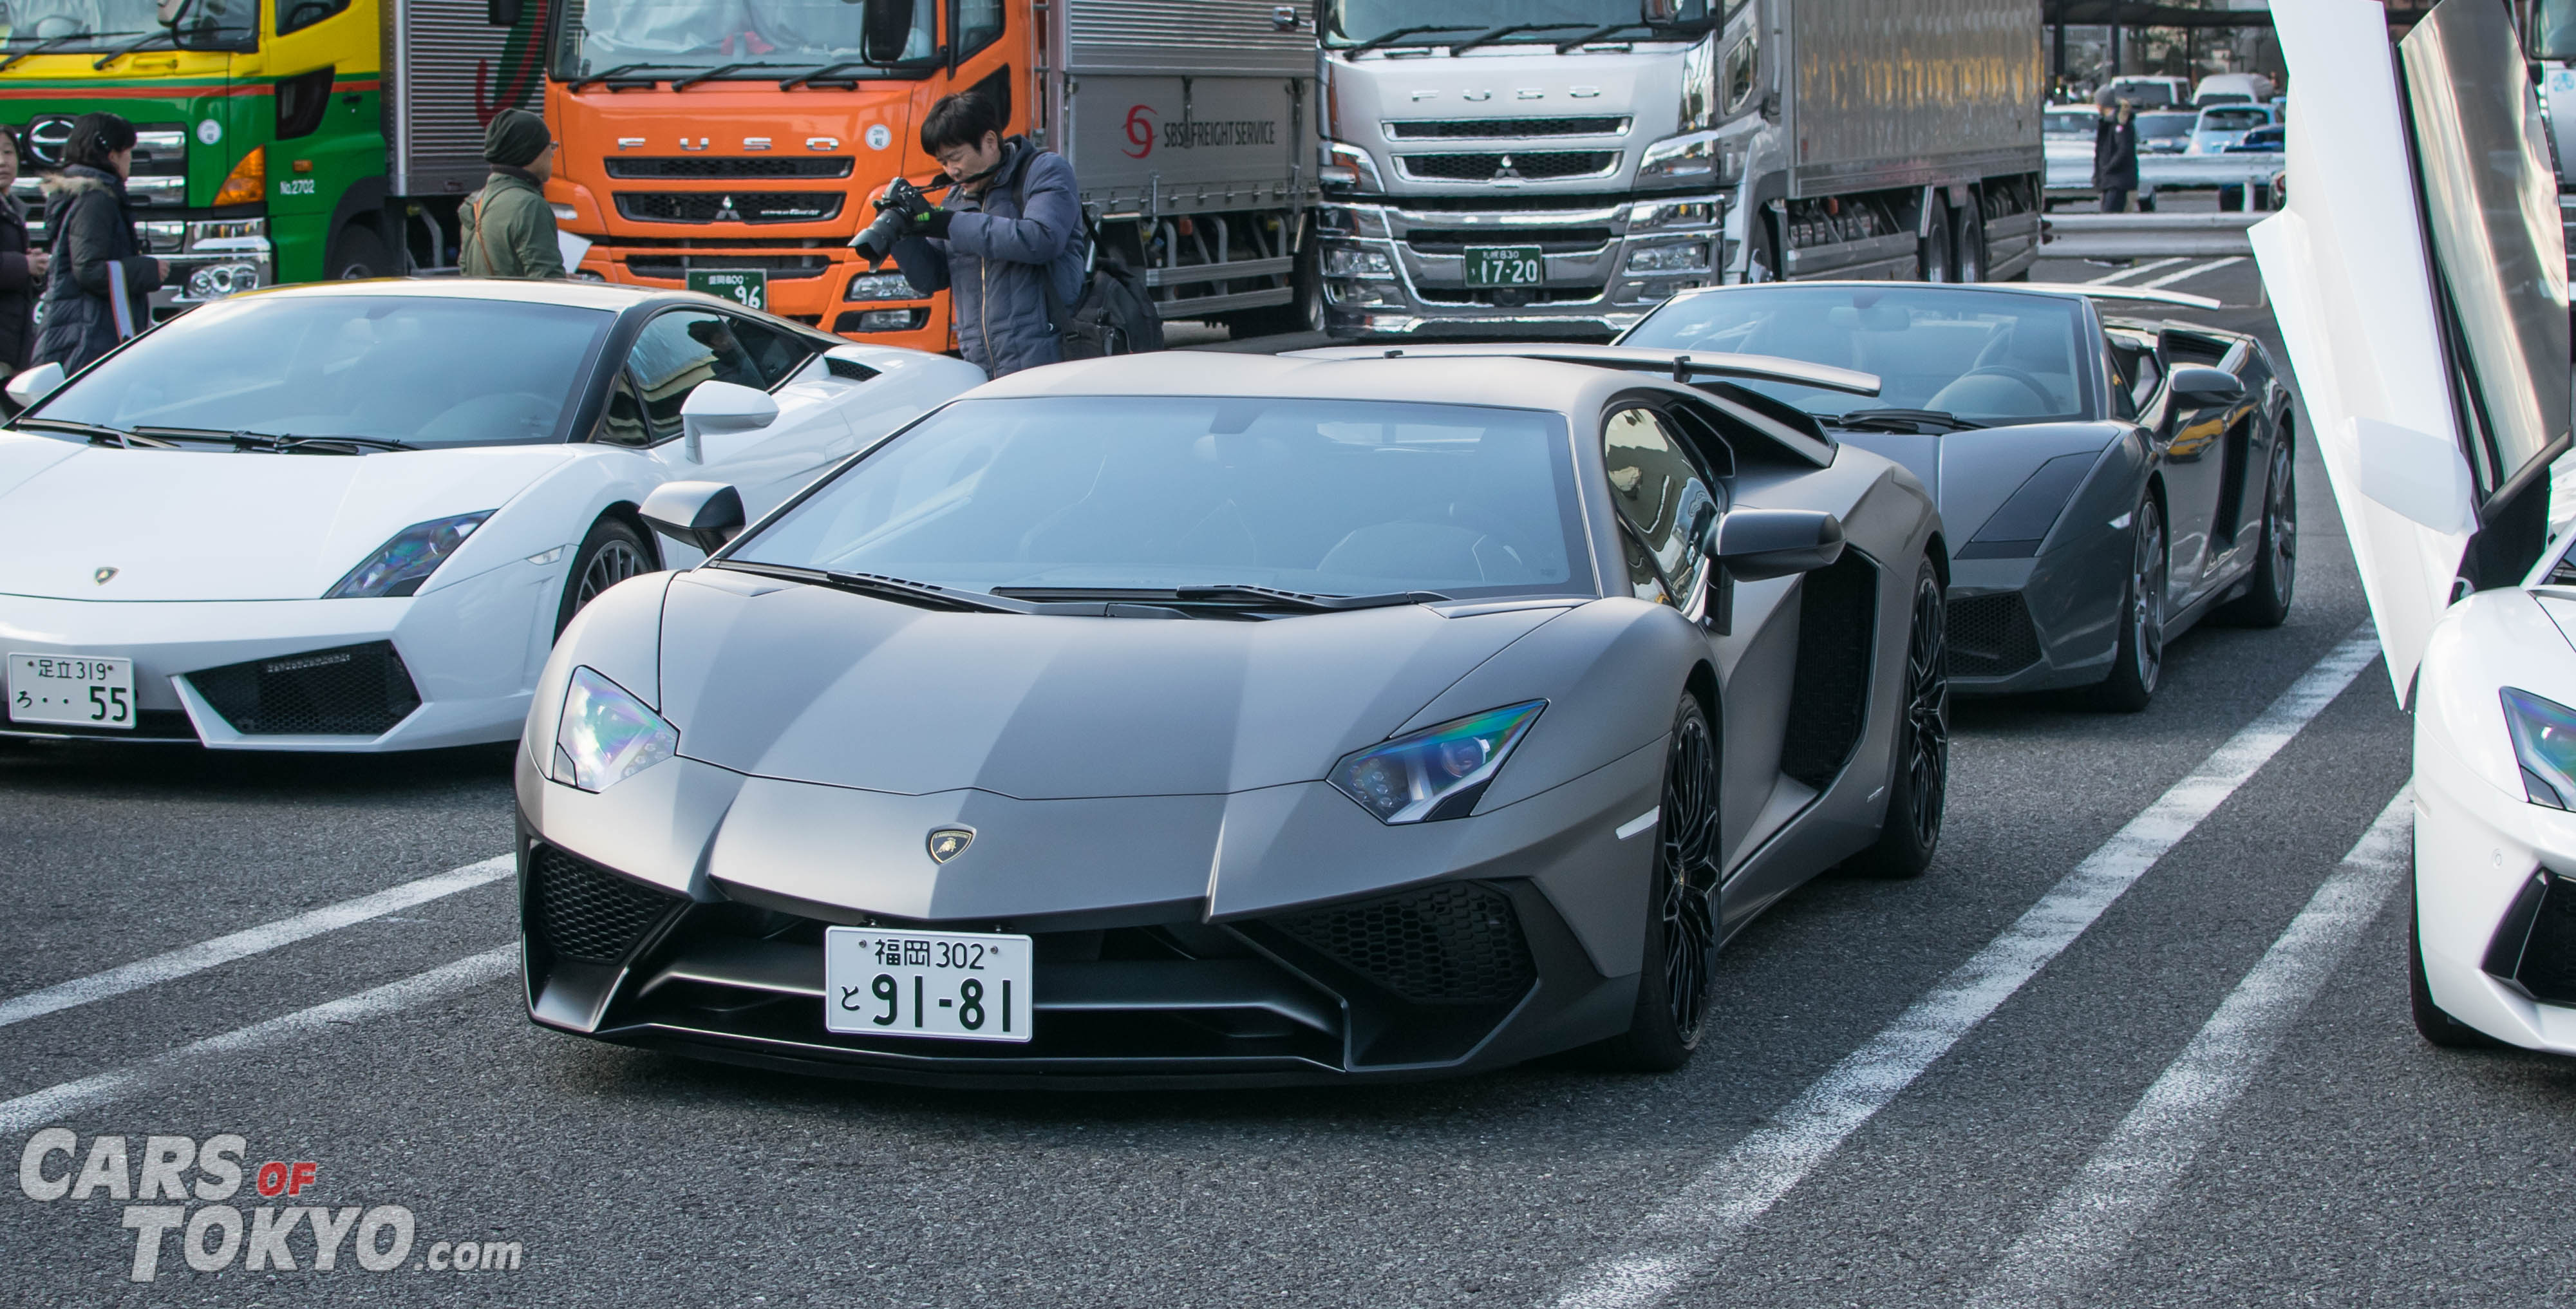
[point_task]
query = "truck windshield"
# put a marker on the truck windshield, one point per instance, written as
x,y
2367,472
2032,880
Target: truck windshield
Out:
x,y
750,38
2554,30
1352,22
77,25
1991,357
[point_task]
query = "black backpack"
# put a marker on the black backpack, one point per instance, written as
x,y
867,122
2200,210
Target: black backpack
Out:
x,y
1114,314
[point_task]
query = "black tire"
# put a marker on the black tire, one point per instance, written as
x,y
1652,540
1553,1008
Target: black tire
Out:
x,y
2435,1026
613,552
358,252
1681,909
1932,252
2139,662
1919,784
1762,262
1968,238
2266,602
1304,311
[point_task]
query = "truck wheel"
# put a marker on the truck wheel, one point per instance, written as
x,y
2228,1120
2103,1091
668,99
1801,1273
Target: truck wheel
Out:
x,y
1762,262
1304,311
1932,253
357,252
1970,240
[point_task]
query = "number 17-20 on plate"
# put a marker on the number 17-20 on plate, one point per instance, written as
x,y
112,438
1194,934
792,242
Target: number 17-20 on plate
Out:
x,y
956,986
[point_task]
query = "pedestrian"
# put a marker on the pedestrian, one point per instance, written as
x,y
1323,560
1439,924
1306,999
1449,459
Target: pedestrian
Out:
x,y
2115,155
507,229
22,270
99,283
1010,226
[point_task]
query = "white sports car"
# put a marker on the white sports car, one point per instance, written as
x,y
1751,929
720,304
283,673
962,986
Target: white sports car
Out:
x,y
353,516
2436,378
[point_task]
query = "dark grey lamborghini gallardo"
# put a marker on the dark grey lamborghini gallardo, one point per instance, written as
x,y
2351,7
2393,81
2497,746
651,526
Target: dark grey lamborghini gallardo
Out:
x,y
1218,718
2111,481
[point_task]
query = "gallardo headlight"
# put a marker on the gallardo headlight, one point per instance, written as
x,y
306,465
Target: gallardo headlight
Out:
x,y
2544,739
399,566
1438,772
606,735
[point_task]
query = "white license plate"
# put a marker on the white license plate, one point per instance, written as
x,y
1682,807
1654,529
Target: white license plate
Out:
x,y
81,690
959,986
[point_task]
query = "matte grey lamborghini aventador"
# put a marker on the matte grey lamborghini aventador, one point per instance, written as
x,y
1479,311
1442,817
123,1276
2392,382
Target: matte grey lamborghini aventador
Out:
x,y
1259,720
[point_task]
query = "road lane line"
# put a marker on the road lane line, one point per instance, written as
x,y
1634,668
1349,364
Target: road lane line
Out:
x,y
250,941
1687,1235
54,1102
2196,270
2134,270
2092,1220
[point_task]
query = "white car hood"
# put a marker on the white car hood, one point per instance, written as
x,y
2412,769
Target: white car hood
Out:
x,y
193,525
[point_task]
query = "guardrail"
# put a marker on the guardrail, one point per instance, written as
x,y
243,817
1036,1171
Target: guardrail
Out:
x,y
2145,236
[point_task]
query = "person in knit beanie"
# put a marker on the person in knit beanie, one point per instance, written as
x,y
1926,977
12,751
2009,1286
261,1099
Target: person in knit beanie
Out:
x,y
508,229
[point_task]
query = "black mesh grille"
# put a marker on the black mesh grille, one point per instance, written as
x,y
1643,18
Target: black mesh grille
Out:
x,y
781,268
1556,240
583,911
701,166
1534,164
1991,635
1436,129
1455,942
729,207
350,690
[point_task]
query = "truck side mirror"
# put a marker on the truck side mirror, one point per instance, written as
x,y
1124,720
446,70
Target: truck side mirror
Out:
x,y
702,514
885,28
501,13
1659,11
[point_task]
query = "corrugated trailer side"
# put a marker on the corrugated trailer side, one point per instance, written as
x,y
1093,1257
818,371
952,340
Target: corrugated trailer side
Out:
x,y
1889,93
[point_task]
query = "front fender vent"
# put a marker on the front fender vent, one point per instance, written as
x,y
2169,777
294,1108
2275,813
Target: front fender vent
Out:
x,y
1453,943
583,911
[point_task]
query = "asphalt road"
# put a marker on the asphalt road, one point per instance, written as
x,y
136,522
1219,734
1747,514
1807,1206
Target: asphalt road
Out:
x,y
1915,1094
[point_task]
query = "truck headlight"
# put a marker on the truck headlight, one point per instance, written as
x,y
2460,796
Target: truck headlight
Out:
x,y
1681,213
1687,256
607,735
1436,773
215,281
1693,159
2544,742
880,286
1356,261
1348,166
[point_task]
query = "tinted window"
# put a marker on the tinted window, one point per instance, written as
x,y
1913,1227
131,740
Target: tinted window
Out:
x,y
680,349
2156,125
979,23
1665,502
425,370
1990,356
296,15
1320,496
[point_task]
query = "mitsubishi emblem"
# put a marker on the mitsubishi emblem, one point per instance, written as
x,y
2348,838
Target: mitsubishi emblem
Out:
x,y
947,843
101,575
1505,169
725,211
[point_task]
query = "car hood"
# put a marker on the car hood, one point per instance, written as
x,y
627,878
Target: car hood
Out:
x,y
193,525
2356,285
814,685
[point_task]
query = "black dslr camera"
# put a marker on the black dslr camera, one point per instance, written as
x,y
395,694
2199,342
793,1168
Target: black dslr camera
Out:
x,y
900,206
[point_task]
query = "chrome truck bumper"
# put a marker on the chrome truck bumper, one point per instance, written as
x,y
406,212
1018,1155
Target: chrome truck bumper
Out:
x,y
1391,269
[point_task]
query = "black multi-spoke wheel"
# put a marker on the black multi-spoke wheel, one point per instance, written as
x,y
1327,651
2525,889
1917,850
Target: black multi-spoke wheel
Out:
x,y
1919,782
611,553
2266,602
1681,913
2139,663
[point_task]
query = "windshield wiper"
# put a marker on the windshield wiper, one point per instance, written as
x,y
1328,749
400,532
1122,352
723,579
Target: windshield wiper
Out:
x,y
294,443
1236,596
56,43
791,83
620,70
901,590
1899,420
1497,34
136,44
1568,47
98,433
1384,39
684,83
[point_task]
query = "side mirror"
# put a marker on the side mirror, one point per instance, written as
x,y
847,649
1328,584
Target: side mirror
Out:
x,y
501,13
2208,386
35,384
703,514
1658,11
885,28
1755,545
723,407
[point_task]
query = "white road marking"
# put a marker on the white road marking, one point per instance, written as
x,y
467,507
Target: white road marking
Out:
x,y
2134,270
1688,1234
2194,271
249,941
1640,823
54,1102
2091,1221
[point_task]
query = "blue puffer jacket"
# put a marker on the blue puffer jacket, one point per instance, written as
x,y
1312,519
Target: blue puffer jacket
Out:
x,y
1027,226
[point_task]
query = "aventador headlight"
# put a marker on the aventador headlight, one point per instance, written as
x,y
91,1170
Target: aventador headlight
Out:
x,y
606,735
2544,739
399,566
1438,772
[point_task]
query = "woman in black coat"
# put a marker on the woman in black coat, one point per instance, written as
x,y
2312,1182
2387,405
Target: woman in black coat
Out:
x,y
96,250
2115,156
21,270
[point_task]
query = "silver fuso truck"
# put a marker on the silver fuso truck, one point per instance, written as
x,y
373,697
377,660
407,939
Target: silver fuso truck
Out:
x,y
1560,167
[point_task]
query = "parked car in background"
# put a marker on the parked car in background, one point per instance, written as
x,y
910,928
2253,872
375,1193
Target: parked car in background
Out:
x,y
2146,91
2066,139
2166,131
2222,126
2251,88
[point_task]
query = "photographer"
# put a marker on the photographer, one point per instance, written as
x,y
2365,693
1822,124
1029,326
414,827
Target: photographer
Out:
x,y
1011,224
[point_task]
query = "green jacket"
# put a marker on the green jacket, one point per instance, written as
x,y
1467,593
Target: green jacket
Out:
x,y
509,231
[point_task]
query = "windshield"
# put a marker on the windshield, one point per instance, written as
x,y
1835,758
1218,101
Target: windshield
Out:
x,y
756,38
1350,22
76,25
1987,356
2554,30
1318,496
420,370
2234,120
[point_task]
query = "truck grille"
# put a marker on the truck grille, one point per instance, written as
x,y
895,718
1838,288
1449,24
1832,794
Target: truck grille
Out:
x,y
702,166
351,690
1554,240
736,207
1430,129
1535,165
781,268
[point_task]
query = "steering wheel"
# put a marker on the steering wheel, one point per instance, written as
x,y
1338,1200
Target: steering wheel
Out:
x,y
2032,384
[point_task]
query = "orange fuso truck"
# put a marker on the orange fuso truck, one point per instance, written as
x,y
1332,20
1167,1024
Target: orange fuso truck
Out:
x,y
734,145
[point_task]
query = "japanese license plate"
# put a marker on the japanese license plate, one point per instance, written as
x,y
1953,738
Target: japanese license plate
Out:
x,y
961,986
748,287
1505,265
82,690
